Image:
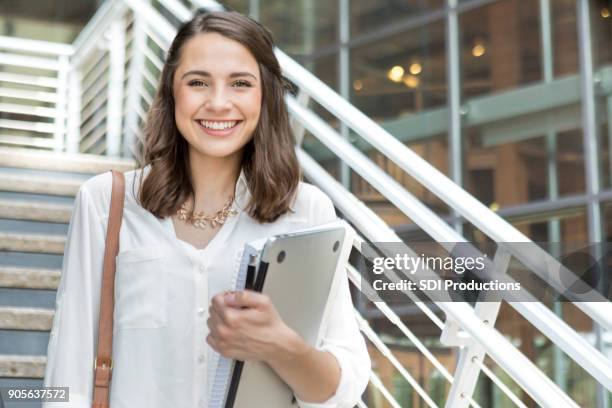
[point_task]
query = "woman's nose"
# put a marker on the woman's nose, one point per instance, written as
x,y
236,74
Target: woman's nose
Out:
x,y
218,100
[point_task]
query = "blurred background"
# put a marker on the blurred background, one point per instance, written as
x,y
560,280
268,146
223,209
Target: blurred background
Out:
x,y
510,99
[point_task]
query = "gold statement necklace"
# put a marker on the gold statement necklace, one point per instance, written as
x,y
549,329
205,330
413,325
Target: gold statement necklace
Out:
x,y
200,220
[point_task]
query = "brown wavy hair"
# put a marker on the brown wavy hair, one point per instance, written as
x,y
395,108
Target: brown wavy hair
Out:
x,y
269,160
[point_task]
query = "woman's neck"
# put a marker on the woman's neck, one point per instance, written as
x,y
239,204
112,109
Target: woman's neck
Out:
x,y
214,181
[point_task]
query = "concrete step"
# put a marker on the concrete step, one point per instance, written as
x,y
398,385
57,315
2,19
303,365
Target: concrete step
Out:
x,y
48,244
29,278
54,161
33,211
22,366
39,185
26,318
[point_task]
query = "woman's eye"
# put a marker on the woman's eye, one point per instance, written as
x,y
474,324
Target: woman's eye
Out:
x,y
242,83
196,83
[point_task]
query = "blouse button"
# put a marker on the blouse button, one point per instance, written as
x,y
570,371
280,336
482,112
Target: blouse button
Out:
x,y
201,311
201,358
202,268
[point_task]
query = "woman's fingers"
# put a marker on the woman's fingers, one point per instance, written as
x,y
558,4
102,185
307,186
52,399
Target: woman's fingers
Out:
x,y
247,299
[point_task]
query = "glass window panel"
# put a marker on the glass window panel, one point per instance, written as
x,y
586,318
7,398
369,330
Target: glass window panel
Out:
x,y
601,32
605,137
400,75
500,47
367,15
565,37
300,27
504,171
570,163
607,220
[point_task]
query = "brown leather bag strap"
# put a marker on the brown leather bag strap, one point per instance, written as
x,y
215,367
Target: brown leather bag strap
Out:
x,y
103,362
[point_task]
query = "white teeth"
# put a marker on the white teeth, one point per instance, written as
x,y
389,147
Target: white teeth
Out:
x,y
217,125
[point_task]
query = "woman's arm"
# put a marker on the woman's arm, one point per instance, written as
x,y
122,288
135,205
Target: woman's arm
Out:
x,y
245,326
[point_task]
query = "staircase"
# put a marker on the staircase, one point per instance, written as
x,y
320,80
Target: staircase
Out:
x,y
37,190
101,86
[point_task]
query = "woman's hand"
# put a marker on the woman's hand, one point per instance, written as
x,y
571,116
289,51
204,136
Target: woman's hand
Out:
x,y
245,326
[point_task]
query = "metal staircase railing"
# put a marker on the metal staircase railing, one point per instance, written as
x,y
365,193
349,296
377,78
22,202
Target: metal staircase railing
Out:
x,y
102,93
37,73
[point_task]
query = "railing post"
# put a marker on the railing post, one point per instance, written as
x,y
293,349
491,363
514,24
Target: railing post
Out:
x,y
344,73
73,135
116,49
60,106
590,140
455,151
137,64
471,357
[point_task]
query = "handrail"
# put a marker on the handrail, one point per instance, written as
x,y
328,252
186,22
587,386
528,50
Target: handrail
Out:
x,y
519,367
354,277
38,46
364,326
460,200
543,318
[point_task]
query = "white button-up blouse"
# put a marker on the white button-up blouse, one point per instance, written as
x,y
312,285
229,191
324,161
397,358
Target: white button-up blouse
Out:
x,y
163,288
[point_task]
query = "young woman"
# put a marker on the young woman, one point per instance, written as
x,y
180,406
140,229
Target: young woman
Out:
x,y
219,170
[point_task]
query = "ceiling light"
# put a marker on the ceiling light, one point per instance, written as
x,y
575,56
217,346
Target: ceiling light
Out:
x,y
415,68
411,81
479,49
396,73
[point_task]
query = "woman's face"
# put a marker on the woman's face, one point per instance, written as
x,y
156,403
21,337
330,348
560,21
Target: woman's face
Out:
x,y
217,95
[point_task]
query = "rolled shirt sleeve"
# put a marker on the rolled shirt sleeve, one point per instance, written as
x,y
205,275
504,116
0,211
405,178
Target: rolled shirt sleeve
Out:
x,y
342,337
73,338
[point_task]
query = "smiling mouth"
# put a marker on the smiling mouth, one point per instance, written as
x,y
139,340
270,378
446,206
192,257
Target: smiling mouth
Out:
x,y
218,125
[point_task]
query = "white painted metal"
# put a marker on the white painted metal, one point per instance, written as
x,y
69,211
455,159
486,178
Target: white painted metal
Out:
x,y
28,95
472,355
520,368
544,319
27,61
47,82
375,380
39,47
364,326
430,177
136,67
74,111
30,126
28,110
60,107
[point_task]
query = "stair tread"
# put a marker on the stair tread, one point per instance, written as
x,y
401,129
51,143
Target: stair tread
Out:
x,y
40,243
22,366
39,185
26,318
29,278
35,211
45,160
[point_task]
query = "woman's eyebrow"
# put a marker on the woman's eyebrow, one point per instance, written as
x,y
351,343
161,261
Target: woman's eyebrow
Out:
x,y
207,74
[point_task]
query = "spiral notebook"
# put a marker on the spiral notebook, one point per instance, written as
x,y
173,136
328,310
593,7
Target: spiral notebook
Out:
x,y
298,271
